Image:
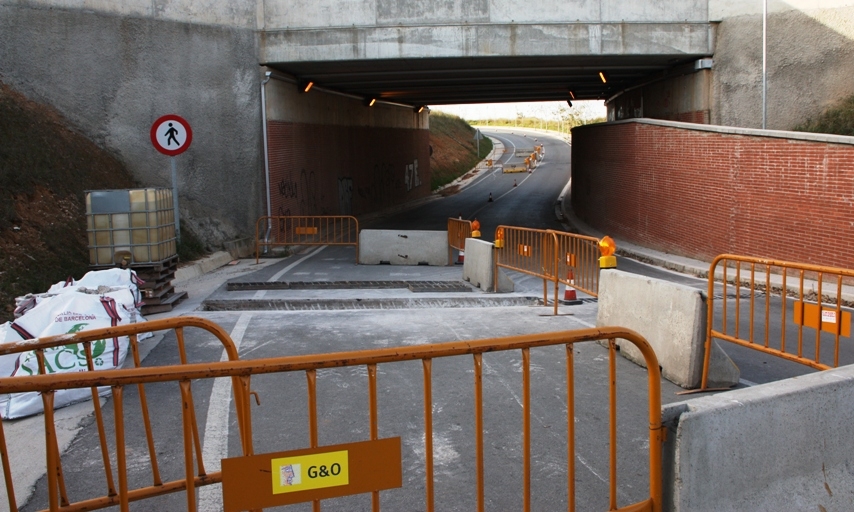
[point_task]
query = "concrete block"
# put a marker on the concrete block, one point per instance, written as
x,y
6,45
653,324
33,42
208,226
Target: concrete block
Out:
x,y
479,265
240,248
401,247
203,266
784,445
672,318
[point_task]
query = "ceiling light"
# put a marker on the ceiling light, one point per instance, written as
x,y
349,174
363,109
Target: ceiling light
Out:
x,y
305,85
602,76
571,95
369,102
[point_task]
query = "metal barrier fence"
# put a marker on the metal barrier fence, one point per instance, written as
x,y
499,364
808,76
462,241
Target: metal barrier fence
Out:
x,y
306,230
458,231
804,296
58,498
240,372
578,261
553,256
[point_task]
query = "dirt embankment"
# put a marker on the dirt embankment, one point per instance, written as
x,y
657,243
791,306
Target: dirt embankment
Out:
x,y
45,167
454,148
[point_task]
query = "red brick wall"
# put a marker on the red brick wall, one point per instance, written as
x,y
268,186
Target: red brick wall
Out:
x,y
342,170
700,194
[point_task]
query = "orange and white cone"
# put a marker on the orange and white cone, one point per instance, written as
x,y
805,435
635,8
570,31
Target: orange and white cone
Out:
x,y
569,292
461,258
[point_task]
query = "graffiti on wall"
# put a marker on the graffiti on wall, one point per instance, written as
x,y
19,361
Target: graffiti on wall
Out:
x,y
381,188
308,204
302,194
345,195
410,176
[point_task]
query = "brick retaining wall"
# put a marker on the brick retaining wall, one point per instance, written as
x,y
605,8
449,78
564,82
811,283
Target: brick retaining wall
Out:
x,y
704,191
343,170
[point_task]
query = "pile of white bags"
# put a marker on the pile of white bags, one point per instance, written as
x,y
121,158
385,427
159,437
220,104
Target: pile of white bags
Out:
x,y
101,298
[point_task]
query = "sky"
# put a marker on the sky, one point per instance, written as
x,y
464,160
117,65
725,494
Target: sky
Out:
x,y
540,109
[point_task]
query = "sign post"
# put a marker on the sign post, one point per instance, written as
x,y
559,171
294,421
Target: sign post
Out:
x,y
172,135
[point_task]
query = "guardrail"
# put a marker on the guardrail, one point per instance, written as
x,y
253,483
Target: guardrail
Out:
x,y
458,231
805,296
306,230
240,371
553,256
58,497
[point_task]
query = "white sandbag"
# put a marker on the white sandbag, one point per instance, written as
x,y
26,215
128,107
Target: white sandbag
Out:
x,y
8,362
93,281
63,314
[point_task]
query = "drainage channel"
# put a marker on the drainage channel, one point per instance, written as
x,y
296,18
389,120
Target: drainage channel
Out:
x,y
413,286
368,303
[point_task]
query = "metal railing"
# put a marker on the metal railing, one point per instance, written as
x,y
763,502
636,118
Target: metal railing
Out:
x,y
241,370
306,230
58,497
554,256
803,295
458,231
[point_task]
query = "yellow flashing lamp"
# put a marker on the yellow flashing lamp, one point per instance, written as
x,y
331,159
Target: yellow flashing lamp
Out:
x,y
607,247
475,229
499,238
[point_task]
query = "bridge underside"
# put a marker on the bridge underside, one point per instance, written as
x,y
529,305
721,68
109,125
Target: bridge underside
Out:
x,y
486,63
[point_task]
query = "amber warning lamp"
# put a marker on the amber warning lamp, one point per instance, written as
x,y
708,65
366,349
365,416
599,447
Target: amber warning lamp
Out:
x,y
607,247
475,229
499,238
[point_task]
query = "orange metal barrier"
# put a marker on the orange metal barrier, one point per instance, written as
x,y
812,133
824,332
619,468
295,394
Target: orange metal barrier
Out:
x,y
553,256
306,230
458,231
804,295
578,261
58,496
241,371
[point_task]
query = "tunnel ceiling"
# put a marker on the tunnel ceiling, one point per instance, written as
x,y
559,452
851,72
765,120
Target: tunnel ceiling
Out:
x,y
447,81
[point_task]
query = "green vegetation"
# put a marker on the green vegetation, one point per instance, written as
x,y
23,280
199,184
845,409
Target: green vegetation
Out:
x,y
190,248
455,151
838,120
562,120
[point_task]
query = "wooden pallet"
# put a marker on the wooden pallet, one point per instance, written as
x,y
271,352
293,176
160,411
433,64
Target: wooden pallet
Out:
x,y
158,294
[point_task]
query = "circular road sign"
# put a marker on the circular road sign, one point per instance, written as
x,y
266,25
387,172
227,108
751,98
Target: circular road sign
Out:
x,y
171,135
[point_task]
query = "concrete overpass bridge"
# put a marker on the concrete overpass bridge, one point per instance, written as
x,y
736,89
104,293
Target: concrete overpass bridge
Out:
x,y
471,51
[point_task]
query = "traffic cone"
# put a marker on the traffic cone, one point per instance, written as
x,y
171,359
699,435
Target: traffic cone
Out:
x,y
569,293
514,183
461,258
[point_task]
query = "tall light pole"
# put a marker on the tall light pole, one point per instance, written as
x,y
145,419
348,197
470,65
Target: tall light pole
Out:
x,y
764,64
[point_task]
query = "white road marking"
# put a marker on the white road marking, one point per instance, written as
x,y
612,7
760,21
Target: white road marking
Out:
x,y
294,264
215,442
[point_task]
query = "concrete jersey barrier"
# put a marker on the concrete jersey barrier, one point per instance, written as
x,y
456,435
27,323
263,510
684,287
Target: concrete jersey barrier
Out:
x,y
403,247
784,445
672,318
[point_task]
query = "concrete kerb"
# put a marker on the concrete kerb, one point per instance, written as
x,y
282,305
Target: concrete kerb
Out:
x,y
202,266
